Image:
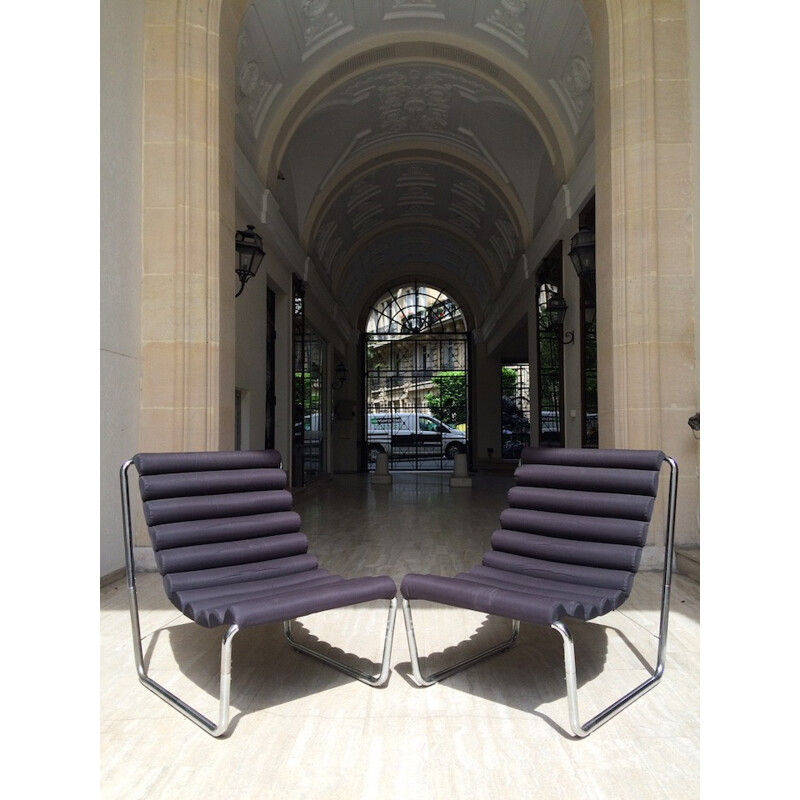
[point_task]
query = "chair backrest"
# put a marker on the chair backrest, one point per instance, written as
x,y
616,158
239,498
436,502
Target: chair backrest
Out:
x,y
217,518
580,516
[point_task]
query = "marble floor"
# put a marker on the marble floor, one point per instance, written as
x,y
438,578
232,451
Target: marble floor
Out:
x,y
300,729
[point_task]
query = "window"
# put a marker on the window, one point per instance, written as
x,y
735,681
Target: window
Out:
x,y
589,429
550,370
308,448
515,409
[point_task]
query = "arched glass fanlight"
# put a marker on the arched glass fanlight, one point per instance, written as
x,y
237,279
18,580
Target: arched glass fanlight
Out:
x,y
415,308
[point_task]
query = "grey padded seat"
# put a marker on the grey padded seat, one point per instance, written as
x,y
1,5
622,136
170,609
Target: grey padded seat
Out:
x,y
230,552
568,547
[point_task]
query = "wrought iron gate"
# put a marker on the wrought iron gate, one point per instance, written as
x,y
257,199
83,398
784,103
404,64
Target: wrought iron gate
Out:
x,y
416,369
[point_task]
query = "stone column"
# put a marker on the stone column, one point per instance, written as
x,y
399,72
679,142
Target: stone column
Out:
x,y
187,350
647,285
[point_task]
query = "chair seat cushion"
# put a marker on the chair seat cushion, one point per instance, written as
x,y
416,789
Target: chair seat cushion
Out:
x,y
321,592
529,598
270,591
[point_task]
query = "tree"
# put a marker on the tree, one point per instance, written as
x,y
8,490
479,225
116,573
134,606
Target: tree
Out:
x,y
448,400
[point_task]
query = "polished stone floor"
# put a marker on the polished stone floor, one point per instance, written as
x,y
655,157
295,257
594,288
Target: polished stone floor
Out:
x,y
300,729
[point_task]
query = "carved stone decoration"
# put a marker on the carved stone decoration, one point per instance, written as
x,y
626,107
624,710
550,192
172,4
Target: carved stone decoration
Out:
x,y
416,188
504,242
327,244
467,206
319,20
507,16
577,82
415,201
324,235
249,78
256,84
252,87
416,175
414,8
364,208
361,192
470,190
413,4
414,100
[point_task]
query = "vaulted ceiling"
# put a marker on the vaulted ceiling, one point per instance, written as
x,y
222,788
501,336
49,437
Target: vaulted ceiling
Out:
x,y
422,138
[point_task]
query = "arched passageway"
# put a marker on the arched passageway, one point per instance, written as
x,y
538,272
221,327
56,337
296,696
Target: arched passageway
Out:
x,y
365,140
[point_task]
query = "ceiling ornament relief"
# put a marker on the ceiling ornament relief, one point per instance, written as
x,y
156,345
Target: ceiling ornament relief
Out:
x,y
414,100
408,102
363,207
467,206
578,81
416,188
504,242
254,92
319,19
574,86
408,147
416,202
317,23
327,244
509,22
414,8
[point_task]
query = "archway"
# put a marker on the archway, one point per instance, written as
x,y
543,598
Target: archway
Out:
x,y
416,379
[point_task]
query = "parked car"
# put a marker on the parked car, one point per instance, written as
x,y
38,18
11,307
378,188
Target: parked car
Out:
x,y
412,433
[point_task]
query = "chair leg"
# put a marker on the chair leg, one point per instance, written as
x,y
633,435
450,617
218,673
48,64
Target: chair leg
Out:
x,y
429,680
572,688
569,648
364,677
215,729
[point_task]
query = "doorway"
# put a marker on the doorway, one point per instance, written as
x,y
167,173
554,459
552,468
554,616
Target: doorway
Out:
x,y
416,380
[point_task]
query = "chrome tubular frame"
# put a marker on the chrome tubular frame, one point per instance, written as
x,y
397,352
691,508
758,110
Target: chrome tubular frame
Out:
x,y
215,729
569,649
364,677
429,680
188,711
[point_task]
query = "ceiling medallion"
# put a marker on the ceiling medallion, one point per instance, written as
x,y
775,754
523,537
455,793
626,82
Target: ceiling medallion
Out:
x,y
249,78
577,82
581,74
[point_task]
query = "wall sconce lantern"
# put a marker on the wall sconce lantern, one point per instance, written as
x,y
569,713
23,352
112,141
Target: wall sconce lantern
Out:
x,y
341,376
582,256
557,311
249,253
582,253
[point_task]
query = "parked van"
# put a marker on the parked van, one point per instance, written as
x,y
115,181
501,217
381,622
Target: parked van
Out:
x,y
405,433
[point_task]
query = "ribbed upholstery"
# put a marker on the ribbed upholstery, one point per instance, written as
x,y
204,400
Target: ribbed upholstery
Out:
x,y
229,546
569,544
